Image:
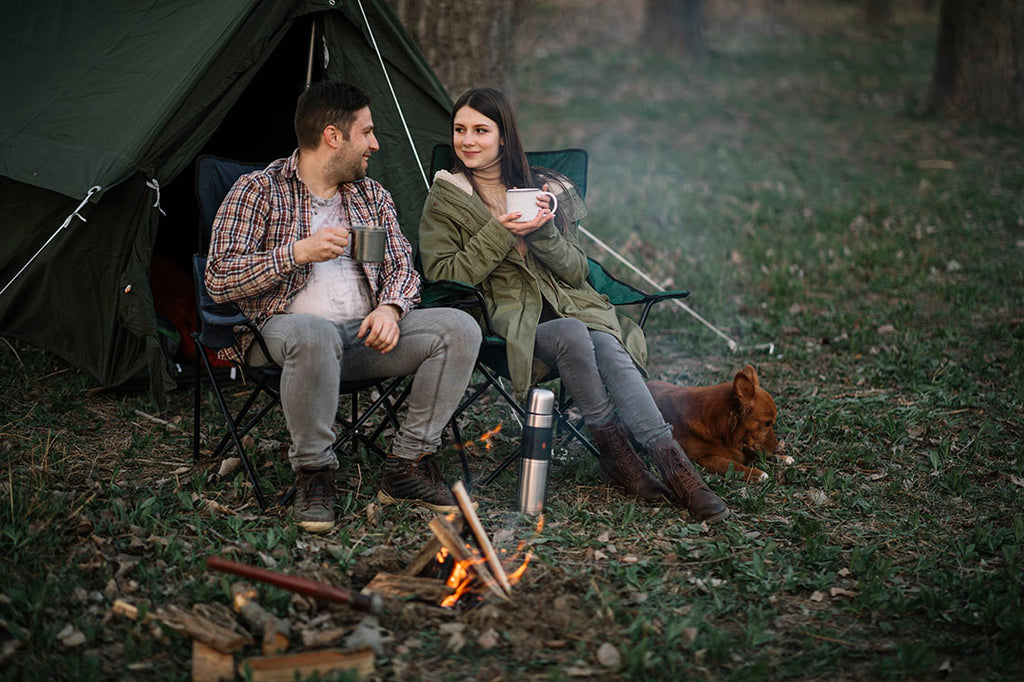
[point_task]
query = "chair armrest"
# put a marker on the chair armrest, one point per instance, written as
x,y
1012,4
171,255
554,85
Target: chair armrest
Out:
x,y
450,293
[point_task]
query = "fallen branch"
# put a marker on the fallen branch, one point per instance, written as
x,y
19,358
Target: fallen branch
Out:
x,y
158,420
203,629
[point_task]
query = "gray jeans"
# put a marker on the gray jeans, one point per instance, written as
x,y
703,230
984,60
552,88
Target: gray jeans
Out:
x,y
437,345
594,365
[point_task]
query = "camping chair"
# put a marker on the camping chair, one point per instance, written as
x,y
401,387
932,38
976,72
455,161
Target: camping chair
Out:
x,y
491,361
214,177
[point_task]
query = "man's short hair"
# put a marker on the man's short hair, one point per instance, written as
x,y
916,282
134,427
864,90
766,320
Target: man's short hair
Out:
x,y
327,103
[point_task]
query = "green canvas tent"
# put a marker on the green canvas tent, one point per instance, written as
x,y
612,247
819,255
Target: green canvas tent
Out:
x,y
114,100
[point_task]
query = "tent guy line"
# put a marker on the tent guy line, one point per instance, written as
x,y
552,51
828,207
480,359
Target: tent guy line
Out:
x,y
67,221
394,96
733,345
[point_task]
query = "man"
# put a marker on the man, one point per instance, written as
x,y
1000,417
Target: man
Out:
x,y
279,250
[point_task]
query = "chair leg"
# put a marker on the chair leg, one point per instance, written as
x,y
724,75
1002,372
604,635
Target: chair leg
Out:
x,y
576,433
260,388
196,389
460,447
232,431
351,428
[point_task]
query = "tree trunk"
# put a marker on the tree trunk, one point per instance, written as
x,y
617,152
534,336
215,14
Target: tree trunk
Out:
x,y
878,12
468,43
979,61
675,26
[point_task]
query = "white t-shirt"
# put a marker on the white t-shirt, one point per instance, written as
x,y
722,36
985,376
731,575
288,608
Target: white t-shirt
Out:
x,y
337,289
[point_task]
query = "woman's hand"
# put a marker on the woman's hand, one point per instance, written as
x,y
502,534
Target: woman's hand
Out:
x,y
520,229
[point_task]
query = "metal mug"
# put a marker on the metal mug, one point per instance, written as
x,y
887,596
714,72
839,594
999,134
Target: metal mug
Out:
x,y
368,243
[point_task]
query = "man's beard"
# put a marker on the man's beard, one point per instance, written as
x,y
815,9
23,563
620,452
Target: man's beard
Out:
x,y
343,169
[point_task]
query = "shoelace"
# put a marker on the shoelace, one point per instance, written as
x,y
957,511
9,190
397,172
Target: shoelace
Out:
x,y
321,489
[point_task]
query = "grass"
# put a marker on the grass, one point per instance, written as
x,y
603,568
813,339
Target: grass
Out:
x,y
786,182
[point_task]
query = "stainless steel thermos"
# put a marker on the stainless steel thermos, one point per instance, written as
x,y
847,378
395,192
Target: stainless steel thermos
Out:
x,y
535,451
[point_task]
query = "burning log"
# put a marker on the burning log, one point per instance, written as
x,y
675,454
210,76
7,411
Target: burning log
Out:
x,y
275,631
310,588
410,587
453,542
426,556
484,542
429,552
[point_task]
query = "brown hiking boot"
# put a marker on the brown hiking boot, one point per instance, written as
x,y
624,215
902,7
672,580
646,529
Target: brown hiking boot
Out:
x,y
417,481
688,488
621,466
315,496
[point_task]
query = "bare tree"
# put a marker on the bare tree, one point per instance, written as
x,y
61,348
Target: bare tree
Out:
x,y
468,43
878,12
979,61
675,26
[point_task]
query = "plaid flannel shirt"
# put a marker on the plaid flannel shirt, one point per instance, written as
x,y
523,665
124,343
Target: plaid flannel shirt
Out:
x,y
251,262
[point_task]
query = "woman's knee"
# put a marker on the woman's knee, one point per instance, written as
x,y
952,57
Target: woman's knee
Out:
x,y
572,338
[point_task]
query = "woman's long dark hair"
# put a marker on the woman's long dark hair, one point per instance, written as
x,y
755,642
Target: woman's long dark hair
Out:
x,y
515,171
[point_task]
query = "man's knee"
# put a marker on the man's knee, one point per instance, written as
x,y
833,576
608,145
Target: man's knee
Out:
x,y
464,328
311,336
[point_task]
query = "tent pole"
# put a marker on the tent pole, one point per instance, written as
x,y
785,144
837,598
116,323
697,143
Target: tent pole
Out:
x,y
312,48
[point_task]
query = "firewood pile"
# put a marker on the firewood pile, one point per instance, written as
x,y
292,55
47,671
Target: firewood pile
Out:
x,y
457,568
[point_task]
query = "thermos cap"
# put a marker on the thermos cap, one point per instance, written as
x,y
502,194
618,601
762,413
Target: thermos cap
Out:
x,y
539,406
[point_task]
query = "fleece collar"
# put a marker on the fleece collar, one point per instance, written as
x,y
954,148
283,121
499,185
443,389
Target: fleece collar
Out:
x,y
457,179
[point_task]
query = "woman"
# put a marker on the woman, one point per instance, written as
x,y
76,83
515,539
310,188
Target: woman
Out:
x,y
533,275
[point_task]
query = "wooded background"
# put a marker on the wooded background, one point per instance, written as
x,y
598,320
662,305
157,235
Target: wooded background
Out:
x,y
979,60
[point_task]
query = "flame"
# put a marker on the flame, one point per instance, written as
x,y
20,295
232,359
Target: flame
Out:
x,y
462,579
488,435
484,439
459,580
517,574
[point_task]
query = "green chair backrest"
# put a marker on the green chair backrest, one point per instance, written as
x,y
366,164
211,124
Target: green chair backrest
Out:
x,y
571,163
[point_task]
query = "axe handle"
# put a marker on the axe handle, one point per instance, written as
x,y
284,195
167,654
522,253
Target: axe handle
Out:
x,y
310,588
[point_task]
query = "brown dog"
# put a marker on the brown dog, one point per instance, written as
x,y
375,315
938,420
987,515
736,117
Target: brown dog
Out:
x,y
722,426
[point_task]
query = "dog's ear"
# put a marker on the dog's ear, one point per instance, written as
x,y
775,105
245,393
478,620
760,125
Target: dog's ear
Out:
x,y
745,385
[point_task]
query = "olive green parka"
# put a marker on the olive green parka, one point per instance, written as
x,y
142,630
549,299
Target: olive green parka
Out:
x,y
460,240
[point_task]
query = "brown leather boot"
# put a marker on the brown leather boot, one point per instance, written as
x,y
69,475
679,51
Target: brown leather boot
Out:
x,y
621,465
688,488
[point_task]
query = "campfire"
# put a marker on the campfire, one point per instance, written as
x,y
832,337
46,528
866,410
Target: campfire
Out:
x,y
458,567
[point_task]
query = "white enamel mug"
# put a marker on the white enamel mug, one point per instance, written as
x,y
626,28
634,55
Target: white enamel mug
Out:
x,y
525,200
